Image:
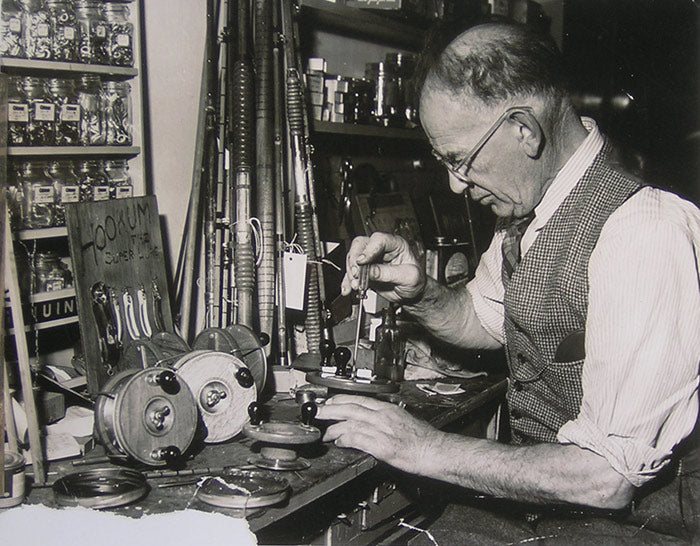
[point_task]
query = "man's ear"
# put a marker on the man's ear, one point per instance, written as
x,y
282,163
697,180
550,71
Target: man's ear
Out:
x,y
530,134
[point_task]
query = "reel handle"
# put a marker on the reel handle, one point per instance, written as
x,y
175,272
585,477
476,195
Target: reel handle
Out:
x,y
342,357
308,412
168,382
169,454
245,378
255,412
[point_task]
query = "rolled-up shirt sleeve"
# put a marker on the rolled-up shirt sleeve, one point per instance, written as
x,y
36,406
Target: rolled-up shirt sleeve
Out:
x,y
640,374
486,289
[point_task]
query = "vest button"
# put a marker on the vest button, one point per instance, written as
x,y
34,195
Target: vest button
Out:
x,y
521,358
515,414
517,386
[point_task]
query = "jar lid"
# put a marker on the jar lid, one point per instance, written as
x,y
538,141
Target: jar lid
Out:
x,y
13,461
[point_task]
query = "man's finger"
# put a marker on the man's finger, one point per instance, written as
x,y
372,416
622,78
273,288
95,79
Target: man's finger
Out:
x,y
370,403
344,412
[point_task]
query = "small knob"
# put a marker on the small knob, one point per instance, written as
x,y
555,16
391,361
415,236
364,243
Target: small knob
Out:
x,y
168,382
342,357
245,378
255,413
308,412
327,346
264,338
168,454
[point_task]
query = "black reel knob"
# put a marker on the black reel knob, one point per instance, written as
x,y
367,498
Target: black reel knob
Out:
x,y
327,347
308,412
264,338
169,454
255,412
168,382
342,357
245,378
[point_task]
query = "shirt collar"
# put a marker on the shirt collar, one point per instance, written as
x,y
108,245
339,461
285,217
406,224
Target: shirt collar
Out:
x,y
569,175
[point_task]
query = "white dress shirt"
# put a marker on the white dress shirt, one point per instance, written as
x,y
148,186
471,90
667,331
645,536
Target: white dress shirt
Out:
x,y
640,375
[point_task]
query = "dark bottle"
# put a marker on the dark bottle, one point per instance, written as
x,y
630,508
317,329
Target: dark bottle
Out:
x,y
389,347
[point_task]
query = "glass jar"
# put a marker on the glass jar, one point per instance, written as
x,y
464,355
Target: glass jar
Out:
x,y
42,112
17,113
120,184
117,100
66,188
50,273
92,39
64,30
15,194
11,42
93,180
91,101
36,30
39,196
65,99
120,34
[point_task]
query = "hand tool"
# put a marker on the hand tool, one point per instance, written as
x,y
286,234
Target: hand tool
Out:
x,y
361,295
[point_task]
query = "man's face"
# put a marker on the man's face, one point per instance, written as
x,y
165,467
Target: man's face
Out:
x,y
500,175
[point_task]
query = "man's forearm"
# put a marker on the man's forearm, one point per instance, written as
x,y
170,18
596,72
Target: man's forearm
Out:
x,y
448,314
543,473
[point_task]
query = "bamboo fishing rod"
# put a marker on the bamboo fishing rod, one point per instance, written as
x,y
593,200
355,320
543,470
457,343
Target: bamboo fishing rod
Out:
x,y
241,119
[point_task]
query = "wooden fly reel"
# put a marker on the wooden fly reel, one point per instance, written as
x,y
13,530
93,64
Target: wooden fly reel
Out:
x,y
223,388
279,439
148,415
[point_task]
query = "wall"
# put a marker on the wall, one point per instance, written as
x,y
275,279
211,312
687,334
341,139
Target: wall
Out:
x,y
174,52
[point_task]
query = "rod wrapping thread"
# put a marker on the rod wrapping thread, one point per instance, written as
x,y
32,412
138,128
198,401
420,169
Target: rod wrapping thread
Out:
x,y
264,168
242,157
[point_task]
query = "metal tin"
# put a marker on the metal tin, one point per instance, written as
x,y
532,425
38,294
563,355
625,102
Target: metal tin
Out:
x,y
13,493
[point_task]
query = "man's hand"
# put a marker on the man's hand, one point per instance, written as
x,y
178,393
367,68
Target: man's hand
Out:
x,y
381,429
395,272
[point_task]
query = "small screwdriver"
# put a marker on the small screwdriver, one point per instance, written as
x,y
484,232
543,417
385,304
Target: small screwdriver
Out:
x,y
361,295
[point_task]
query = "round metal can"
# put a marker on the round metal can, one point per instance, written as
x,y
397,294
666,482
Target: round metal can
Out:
x,y
13,494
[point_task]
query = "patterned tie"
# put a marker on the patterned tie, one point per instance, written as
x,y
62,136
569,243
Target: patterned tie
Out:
x,y
511,245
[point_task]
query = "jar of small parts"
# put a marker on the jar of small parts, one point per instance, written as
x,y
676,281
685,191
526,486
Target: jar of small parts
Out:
x,y
36,30
92,119
39,195
50,273
117,99
65,99
15,194
42,112
17,113
14,487
92,40
93,180
11,43
66,187
64,30
120,185
120,34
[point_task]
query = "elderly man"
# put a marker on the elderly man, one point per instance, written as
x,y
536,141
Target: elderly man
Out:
x,y
591,283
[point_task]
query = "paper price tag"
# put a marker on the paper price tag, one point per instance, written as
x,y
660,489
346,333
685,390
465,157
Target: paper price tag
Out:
x,y
294,280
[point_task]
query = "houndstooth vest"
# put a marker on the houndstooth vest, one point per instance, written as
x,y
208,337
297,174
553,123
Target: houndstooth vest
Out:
x,y
546,300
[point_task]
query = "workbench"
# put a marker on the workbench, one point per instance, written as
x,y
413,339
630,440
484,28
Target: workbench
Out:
x,y
333,471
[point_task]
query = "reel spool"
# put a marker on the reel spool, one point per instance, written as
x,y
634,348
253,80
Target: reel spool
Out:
x,y
223,388
280,438
148,415
243,490
241,342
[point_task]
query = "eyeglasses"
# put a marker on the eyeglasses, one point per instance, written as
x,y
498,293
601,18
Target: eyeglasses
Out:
x,y
461,168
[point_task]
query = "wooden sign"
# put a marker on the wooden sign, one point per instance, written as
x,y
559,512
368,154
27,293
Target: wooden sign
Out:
x,y
120,280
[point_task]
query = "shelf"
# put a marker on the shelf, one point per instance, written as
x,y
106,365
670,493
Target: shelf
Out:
x,y
42,233
357,22
53,295
367,130
23,65
33,151
48,324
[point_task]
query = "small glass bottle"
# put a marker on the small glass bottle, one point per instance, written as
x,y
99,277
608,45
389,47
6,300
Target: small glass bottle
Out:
x,y
120,184
50,273
120,34
66,188
36,30
92,42
64,30
65,99
117,100
389,347
42,112
17,113
39,206
93,180
92,119
11,42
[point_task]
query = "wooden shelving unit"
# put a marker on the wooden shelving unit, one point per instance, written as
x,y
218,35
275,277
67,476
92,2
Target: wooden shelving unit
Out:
x,y
54,151
328,127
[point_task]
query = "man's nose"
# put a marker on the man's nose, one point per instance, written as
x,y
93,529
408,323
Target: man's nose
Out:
x,y
457,185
